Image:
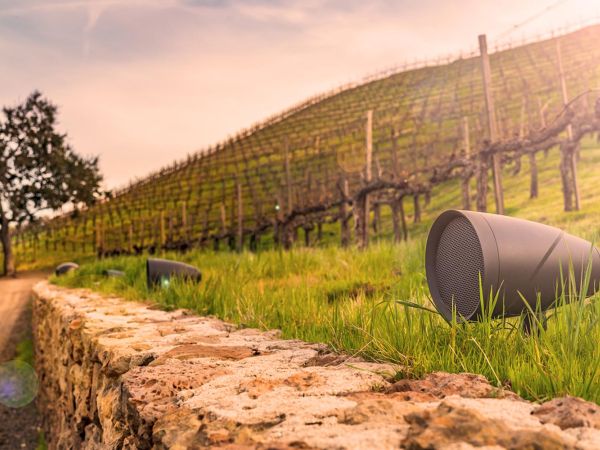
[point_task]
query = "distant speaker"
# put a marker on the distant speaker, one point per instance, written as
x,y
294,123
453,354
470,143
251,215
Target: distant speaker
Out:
x,y
160,271
65,267
509,255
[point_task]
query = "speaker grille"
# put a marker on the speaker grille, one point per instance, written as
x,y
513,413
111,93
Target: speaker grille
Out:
x,y
458,263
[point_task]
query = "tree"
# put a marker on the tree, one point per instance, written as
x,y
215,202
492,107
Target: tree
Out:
x,y
38,169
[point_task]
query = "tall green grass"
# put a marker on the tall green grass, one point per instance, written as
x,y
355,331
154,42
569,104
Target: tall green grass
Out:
x,y
375,303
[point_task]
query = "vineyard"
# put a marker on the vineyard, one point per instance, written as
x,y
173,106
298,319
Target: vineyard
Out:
x,y
342,158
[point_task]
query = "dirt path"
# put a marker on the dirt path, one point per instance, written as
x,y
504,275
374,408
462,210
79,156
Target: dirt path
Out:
x,y
19,427
14,296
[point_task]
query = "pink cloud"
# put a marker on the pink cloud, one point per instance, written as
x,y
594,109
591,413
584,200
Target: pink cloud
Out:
x,y
143,83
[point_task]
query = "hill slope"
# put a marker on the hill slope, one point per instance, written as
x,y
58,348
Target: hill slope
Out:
x,y
292,170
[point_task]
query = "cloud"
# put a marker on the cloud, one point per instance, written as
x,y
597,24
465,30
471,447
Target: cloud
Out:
x,y
144,82
28,7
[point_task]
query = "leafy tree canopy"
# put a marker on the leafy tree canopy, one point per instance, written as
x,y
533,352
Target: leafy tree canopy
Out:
x,y
38,169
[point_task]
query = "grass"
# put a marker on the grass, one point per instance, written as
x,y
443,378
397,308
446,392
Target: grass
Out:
x,y
349,299
363,302
25,351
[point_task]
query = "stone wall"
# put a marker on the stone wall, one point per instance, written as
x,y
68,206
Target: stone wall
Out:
x,y
118,374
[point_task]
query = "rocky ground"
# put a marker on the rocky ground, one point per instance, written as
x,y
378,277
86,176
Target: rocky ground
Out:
x,y
120,374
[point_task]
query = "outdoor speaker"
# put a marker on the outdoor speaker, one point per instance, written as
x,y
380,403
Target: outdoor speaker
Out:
x,y
65,267
160,271
511,257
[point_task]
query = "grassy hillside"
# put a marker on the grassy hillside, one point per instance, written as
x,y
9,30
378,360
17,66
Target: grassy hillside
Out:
x,y
357,300
298,161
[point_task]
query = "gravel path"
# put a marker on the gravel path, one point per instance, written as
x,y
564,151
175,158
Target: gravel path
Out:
x,y
18,427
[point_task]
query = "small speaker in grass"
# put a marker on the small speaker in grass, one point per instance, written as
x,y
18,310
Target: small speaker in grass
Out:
x,y
159,272
505,261
65,268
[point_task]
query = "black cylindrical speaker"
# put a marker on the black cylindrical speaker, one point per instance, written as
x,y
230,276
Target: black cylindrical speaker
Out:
x,y
64,268
160,271
510,256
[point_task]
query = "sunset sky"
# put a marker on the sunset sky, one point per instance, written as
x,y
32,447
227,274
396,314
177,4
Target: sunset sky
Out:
x,y
142,83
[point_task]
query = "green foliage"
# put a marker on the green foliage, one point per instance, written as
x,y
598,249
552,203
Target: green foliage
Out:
x,y
41,444
25,352
38,169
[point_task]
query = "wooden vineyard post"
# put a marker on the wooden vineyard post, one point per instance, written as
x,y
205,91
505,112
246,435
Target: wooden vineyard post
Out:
x,y
533,185
170,232
84,233
231,234
162,230
288,179
141,235
130,240
278,227
223,217
395,164
184,222
344,216
364,208
570,150
397,204
100,238
565,164
288,234
46,236
377,205
94,242
492,124
54,236
65,230
417,209
399,219
466,191
376,217
482,181
240,218
74,233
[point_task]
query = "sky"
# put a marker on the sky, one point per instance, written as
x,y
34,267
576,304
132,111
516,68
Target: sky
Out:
x,y
142,83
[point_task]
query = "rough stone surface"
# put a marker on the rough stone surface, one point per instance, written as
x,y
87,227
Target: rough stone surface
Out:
x,y
569,412
118,374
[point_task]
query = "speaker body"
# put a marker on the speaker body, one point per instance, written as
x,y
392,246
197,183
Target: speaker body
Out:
x,y
509,256
64,268
160,271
